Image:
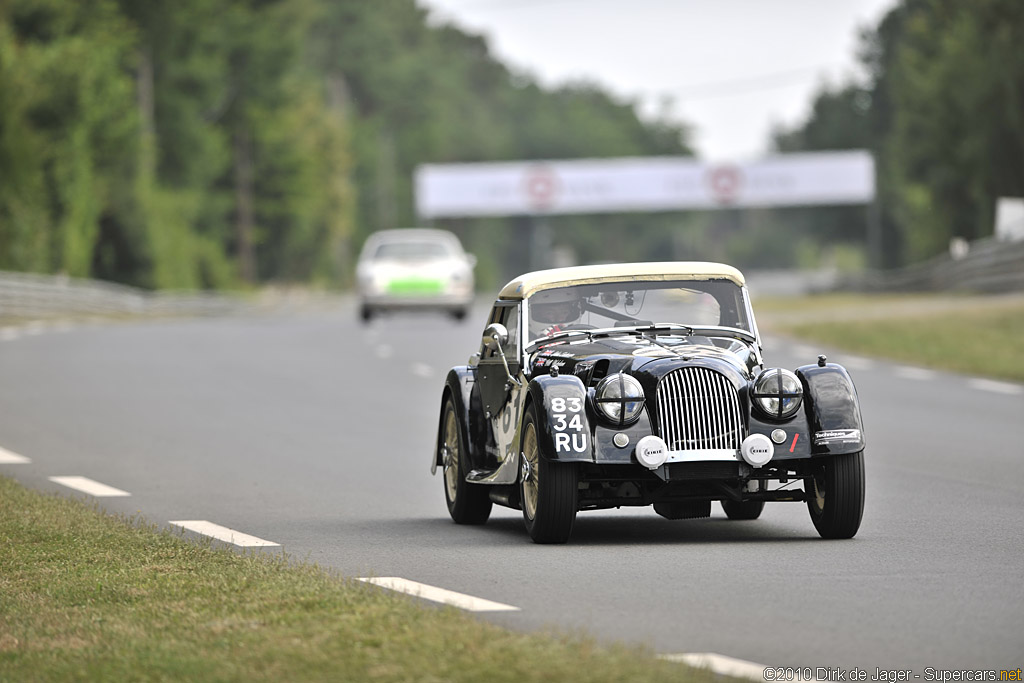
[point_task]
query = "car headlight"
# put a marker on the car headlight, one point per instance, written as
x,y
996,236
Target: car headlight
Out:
x,y
619,398
778,393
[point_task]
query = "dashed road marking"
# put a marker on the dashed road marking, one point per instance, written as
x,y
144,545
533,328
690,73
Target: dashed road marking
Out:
x,y
86,485
222,533
719,664
9,458
422,370
447,597
997,387
907,372
9,333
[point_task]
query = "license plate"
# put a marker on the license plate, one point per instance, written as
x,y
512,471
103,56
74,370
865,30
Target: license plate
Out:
x,y
414,286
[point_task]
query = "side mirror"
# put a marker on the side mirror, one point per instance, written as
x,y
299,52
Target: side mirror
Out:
x,y
495,337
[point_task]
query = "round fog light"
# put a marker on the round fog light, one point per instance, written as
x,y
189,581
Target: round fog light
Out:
x,y
651,452
779,435
757,450
621,440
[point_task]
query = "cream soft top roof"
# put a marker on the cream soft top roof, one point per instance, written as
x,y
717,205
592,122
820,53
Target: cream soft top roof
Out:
x,y
529,283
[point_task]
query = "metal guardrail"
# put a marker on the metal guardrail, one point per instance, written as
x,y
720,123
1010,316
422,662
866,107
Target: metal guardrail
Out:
x,y
990,266
35,296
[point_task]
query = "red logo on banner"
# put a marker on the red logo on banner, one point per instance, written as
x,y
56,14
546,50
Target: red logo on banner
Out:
x,y
542,187
725,182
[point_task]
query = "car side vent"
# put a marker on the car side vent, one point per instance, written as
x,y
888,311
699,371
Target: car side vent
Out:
x,y
698,409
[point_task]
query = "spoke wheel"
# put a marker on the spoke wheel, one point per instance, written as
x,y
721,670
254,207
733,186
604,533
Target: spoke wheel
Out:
x,y
467,503
835,495
548,489
528,471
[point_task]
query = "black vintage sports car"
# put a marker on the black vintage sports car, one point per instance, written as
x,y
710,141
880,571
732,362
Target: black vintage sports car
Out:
x,y
643,384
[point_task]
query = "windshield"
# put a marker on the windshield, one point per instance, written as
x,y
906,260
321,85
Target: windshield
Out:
x,y
618,304
412,251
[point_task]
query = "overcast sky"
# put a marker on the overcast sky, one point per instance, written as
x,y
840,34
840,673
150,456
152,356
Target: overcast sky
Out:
x,y
730,68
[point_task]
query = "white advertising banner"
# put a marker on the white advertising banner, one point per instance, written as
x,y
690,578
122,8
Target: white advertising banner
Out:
x,y
642,184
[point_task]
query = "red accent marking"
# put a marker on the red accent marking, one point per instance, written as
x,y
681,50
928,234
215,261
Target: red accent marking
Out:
x,y
793,445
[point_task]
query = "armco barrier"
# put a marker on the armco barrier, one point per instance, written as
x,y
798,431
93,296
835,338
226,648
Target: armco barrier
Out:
x,y
990,266
35,296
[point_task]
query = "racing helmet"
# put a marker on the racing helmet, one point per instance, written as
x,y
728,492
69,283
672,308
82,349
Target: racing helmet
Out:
x,y
555,307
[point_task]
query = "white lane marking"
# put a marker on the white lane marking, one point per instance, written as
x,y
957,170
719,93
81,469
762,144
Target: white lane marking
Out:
x,y
86,485
719,664
997,387
907,372
9,458
9,333
422,590
35,327
384,351
222,533
422,370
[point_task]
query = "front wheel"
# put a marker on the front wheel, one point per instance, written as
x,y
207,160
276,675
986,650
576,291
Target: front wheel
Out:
x,y
548,489
467,503
835,495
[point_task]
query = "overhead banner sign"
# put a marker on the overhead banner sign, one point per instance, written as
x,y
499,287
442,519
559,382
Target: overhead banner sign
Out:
x,y
642,184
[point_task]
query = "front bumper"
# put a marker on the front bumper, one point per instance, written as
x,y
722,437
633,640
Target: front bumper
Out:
x,y
416,302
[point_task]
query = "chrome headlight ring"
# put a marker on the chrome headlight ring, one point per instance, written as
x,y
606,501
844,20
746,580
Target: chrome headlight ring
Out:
x,y
777,393
619,398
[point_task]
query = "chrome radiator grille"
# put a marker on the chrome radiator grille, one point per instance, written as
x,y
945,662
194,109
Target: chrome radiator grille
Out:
x,y
699,409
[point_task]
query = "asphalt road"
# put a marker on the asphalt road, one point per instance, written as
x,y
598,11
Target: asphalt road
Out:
x,y
313,432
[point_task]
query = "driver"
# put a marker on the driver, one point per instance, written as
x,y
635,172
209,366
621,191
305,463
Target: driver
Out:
x,y
556,309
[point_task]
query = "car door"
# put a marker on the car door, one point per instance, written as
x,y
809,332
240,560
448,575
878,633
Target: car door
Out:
x,y
502,398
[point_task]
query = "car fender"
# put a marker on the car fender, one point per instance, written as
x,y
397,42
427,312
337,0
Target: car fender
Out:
x,y
459,386
563,425
833,410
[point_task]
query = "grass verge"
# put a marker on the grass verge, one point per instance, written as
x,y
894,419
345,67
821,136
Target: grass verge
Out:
x,y
973,335
88,596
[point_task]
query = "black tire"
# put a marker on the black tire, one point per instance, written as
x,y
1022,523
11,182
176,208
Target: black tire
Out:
x,y
835,495
467,503
748,509
365,313
548,489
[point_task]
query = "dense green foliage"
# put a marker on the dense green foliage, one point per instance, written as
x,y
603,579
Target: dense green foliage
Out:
x,y
186,144
943,111
192,144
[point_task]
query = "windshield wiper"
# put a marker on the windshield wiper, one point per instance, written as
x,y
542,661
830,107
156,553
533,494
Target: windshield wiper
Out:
x,y
559,338
648,332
